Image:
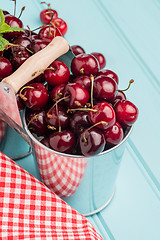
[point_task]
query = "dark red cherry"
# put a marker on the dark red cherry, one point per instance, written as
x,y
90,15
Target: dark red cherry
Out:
x,y
57,92
76,49
5,67
101,59
57,73
63,141
35,96
12,21
60,24
114,134
23,42
20,102
120,96
47,14
109,73
48,33
84,81
78,122
84,64
92,142
102,112
105,88
37,123
38,44
45,141
77,95
53,120
126,113
19,57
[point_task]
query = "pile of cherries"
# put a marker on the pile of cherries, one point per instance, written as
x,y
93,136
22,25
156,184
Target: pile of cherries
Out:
x,y
81,112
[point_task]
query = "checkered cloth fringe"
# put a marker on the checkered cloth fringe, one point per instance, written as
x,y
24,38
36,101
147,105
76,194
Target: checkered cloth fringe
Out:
x,y
29,210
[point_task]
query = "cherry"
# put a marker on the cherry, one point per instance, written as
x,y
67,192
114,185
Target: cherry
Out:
x,y
20,102
35,96
36,122
84,64
47,14
101,59
63,141
84,81
78,122
45,141
109,73
60,24
91,142
57,92
53,120
120,96
48,33
102,112
77,95
76,49
5,67
105,88
57,73
23,42
38,44
12,21
126,112
114,134
19,57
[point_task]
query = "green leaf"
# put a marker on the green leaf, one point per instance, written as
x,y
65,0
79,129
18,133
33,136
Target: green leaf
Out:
x,y
2,17
4,28
15,29
3,43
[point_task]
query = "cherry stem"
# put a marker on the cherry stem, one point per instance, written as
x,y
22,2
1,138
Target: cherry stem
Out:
x,y
102,122
92,82
58,118
48,113
82,70
34,117
21,95
81,109
59,96
9,45
14,7
51,127
130,82
48,4
29,30
39,28
21,11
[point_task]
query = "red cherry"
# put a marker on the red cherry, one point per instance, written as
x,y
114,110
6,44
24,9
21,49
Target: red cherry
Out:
x,y
47,14
84,81
102,112
19,57
63,141
37,123
53,120
48,33
114,134
126,113
38,44
120,96
12,21
101,59
57,73
78,96
61,25
20,102
5,67
105,88
84,64
109,73
76,49
23,42
57,92
78,122
92,142
35,96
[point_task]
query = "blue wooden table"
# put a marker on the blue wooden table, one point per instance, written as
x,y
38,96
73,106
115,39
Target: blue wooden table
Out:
x,y
127,33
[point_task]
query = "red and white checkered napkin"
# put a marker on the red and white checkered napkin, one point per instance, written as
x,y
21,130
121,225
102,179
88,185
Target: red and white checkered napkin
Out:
x,y
29,210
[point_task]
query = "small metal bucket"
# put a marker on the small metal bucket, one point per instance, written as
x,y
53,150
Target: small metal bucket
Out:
x,y
3,128
85,183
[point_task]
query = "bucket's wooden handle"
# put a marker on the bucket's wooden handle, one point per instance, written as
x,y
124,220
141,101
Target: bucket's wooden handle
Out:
x,y
33,66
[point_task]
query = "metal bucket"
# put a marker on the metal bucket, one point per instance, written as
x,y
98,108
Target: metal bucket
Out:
x,y
3,128
85,183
